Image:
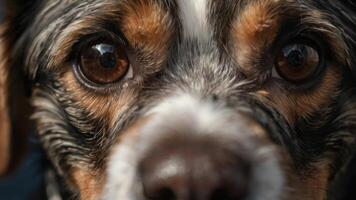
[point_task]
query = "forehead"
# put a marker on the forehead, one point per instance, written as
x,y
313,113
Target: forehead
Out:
x,y
198,18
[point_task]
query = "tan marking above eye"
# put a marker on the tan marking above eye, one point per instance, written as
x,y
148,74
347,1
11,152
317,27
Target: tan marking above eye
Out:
x,y
104,63
297,62
149,29
253,31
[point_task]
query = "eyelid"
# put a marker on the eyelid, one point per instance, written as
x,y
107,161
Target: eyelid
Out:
x,y
105,37
68,45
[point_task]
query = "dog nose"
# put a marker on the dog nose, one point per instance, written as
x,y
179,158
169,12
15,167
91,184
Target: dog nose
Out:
x,y
195,171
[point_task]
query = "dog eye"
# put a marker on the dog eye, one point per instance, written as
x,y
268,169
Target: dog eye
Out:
x,y
297,62
104,62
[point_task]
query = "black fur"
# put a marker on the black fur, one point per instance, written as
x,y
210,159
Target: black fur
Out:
x,y
60,118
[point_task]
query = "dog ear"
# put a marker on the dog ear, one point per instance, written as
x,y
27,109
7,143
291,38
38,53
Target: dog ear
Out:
x,y
4,113
14,104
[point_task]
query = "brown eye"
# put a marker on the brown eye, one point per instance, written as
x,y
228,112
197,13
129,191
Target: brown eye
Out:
x,y
297,62
104,63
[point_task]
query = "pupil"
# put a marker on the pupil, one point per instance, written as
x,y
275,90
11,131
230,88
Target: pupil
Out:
x,y
295,58
108,60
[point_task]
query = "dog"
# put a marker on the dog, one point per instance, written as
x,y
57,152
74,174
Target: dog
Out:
x,y
183,99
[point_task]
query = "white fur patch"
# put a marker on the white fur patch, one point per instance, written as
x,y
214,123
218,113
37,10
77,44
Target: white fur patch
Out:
x,y
188,113
194,17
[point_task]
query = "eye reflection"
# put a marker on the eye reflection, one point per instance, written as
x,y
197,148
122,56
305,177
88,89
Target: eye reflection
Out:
x,y
104,63
297,62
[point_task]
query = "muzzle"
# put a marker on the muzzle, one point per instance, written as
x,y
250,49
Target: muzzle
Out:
x,y
189,148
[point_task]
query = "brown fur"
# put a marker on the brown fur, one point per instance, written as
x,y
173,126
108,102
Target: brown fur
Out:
x,y
145,24
149,29
89,183
110,105
254,31
312,185
300,104
4,113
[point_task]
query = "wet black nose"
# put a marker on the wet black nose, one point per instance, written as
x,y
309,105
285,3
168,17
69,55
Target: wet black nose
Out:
x,y
194,171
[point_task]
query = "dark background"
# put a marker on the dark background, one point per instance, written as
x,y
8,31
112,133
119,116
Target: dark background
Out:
x,y
1,8
27,182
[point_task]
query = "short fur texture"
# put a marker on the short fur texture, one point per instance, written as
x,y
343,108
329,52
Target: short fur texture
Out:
x,y
214,56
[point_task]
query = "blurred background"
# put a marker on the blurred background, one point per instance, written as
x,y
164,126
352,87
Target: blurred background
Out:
x,y
27,183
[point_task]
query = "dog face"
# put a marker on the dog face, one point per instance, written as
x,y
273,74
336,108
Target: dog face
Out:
x,y
181,99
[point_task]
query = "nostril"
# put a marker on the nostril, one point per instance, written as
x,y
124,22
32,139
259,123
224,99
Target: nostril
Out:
x,y
219,194
226,194
166,194
214,97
